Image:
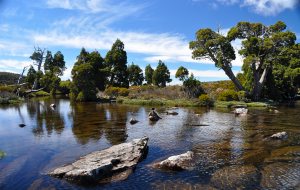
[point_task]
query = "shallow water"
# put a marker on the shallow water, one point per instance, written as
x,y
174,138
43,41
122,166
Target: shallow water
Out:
x,y
220,141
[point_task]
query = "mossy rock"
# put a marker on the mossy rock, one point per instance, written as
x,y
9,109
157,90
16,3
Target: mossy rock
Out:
x,y
255,156
281,176
2,154
236,177
285,154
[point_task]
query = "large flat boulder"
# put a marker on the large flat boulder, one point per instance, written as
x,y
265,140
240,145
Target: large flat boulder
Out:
x,y
115,163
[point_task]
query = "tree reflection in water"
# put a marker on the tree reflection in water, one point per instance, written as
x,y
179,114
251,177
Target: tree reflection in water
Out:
x,y
46,117
91,120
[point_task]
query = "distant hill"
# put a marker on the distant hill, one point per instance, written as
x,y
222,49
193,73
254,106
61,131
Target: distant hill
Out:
x,y
8,78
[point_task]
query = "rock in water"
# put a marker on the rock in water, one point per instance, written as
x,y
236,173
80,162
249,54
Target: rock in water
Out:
x,y
281,176
178,162
105,164
236,177
22,125
280,135
240,111
133,121
172,113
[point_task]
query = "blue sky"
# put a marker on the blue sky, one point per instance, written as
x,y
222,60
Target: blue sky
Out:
x,y
150,30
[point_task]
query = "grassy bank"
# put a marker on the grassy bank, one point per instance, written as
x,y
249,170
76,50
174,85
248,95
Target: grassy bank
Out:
x,y
160,102
9,98
189,103
229,104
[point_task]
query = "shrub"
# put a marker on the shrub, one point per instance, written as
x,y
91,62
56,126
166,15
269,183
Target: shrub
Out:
x,y
116,91
228,95
7,88
64,87
241,95
205,100
80,97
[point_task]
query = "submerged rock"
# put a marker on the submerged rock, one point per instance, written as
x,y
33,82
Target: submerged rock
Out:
x,y
285,154
281,176
112,164
177,185
235,177
280,135
172,113
177,162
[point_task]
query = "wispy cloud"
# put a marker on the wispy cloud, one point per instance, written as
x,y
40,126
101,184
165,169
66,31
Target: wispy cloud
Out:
x,y
262,7
13,65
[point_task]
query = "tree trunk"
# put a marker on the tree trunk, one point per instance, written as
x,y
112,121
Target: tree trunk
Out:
x,y
258,83
232,77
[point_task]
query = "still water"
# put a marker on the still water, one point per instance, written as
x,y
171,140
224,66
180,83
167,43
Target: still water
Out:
x,y
54,137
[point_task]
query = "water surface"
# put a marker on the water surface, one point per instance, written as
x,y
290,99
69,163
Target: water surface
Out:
x,y
54,137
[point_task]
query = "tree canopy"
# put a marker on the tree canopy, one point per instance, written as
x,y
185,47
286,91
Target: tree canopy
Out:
x,y
135,75
161,75
182,73
88,74
148,74
261,49
116,62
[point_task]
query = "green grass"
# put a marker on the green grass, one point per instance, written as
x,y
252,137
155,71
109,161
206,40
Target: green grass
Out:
x,y
160,102
39,94
229,104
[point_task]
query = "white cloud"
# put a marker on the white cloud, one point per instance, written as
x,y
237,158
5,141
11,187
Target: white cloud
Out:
x,y
270,7
67,73
14,65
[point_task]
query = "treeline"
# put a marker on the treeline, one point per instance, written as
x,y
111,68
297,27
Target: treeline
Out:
x,y
7,78
92,73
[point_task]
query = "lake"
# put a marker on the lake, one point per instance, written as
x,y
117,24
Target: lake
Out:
x,y
223,144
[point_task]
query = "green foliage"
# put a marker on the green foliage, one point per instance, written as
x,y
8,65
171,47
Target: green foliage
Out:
x,y
205,100
149,74
192,87
7,88
135,75
116,62
65,86
7,97
242,96
271,57
8,78
182,73
116,91
228,95
31,75
161,75
81,97
88,74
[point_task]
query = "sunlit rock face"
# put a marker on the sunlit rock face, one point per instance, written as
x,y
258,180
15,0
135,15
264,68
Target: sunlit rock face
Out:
x,y
112,164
